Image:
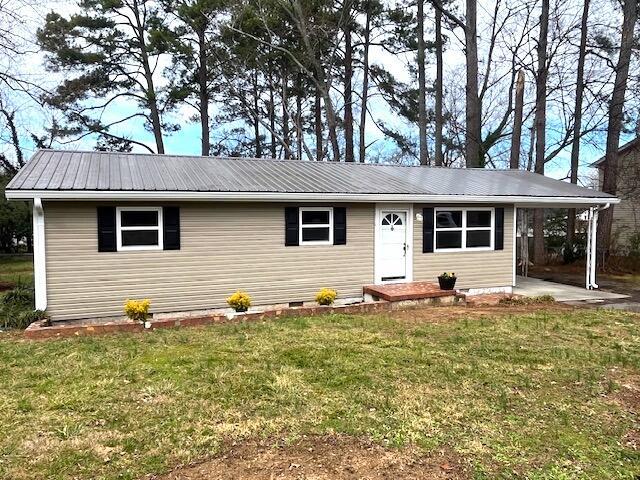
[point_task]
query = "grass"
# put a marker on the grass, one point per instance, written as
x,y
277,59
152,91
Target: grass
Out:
x,y
16,269
528,395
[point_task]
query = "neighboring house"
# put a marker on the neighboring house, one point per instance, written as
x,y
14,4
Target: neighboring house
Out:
x,y
186,232
626,215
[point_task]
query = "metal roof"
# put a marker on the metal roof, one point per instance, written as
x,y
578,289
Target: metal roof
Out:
x,y
51,171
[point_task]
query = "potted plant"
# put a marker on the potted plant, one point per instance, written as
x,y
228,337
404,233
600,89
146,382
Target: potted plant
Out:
x,y
326,296
447,281
138,311
239,301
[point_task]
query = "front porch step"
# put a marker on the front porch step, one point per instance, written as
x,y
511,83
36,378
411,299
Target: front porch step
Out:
x,y
397,292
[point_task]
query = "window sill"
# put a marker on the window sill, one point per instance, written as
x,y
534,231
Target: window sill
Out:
x,y
140,249
464,250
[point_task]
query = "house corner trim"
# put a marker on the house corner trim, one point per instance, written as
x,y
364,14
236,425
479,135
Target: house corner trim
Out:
x,y
39,259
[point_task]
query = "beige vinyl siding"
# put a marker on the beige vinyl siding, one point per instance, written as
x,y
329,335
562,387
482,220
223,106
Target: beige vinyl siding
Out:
x,y
224,247
483,269
626,214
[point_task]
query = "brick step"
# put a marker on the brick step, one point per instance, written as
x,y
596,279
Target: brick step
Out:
x,y
396,292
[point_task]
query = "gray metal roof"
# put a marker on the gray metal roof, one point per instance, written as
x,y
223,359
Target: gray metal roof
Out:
x,y
59,170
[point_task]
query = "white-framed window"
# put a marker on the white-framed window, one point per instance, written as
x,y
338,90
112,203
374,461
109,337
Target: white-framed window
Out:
x,y
463,229
139,228
316,226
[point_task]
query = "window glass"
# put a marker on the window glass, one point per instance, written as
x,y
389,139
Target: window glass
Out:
x,y
479,218
446,239
449,219
315,217
478,238
315,234
139,237
139,218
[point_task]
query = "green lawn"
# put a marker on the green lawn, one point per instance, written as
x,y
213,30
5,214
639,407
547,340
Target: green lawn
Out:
x,y
16,269
535,395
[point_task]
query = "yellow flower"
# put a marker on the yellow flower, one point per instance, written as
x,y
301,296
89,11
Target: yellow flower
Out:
x,y
326,296
239,301
137,310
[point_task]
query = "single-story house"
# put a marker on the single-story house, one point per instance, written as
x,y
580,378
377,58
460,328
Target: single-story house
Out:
x,y
186,232
626,215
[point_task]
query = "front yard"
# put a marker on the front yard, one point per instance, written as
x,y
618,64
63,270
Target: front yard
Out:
x,y
547,393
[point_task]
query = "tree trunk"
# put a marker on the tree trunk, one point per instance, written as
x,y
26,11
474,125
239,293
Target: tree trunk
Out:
x,y
439,90
474,157
285,116
610,180
422,86
348,94
150,93
365,83
577,115
318,126
203,93
272,117
299,132
540,124
516,136
256,120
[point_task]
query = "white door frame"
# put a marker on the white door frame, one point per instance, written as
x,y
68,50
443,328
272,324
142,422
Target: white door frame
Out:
x,y
408,210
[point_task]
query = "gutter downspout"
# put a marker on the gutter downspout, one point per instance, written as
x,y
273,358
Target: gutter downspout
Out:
x,y
592,260
39,259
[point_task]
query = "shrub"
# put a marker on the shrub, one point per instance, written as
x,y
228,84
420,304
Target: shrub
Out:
x,y
448,275
239,301
21,296
137,310
634,245
326,296
574,251
27,317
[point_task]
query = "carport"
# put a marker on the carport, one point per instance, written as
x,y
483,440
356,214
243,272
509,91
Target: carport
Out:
x,y
522,281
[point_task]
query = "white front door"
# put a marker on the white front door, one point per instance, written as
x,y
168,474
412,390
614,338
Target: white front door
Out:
x,y
393,245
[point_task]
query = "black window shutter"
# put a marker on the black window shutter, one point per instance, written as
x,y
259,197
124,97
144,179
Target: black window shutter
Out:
x,y
499,238
339,225
107,229
171,228
291,234
427,230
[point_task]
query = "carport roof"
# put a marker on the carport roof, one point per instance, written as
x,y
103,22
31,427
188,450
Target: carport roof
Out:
x,y
60,174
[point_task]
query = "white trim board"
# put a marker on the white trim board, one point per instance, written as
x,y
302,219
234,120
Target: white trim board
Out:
x,y
123,195
408,209
39,256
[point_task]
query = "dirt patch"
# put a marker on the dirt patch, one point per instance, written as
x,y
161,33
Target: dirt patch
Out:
x,y
449,314
628,397
320,458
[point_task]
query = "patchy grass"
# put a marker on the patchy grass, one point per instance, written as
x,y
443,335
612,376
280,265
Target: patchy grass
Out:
x,y
537,300
530,394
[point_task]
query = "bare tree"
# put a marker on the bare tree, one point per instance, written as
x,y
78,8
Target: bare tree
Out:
x,y
616,112
540,124
439,89
577,126
422,87
516,136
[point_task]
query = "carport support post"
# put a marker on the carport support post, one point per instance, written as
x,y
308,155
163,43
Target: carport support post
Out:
x,y
592,259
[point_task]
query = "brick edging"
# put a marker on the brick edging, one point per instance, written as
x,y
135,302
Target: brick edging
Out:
x,y
37,331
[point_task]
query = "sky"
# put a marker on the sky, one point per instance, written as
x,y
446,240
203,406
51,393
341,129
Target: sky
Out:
x,y
187,139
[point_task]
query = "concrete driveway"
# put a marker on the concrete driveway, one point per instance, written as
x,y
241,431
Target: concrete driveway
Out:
x,y
532,287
